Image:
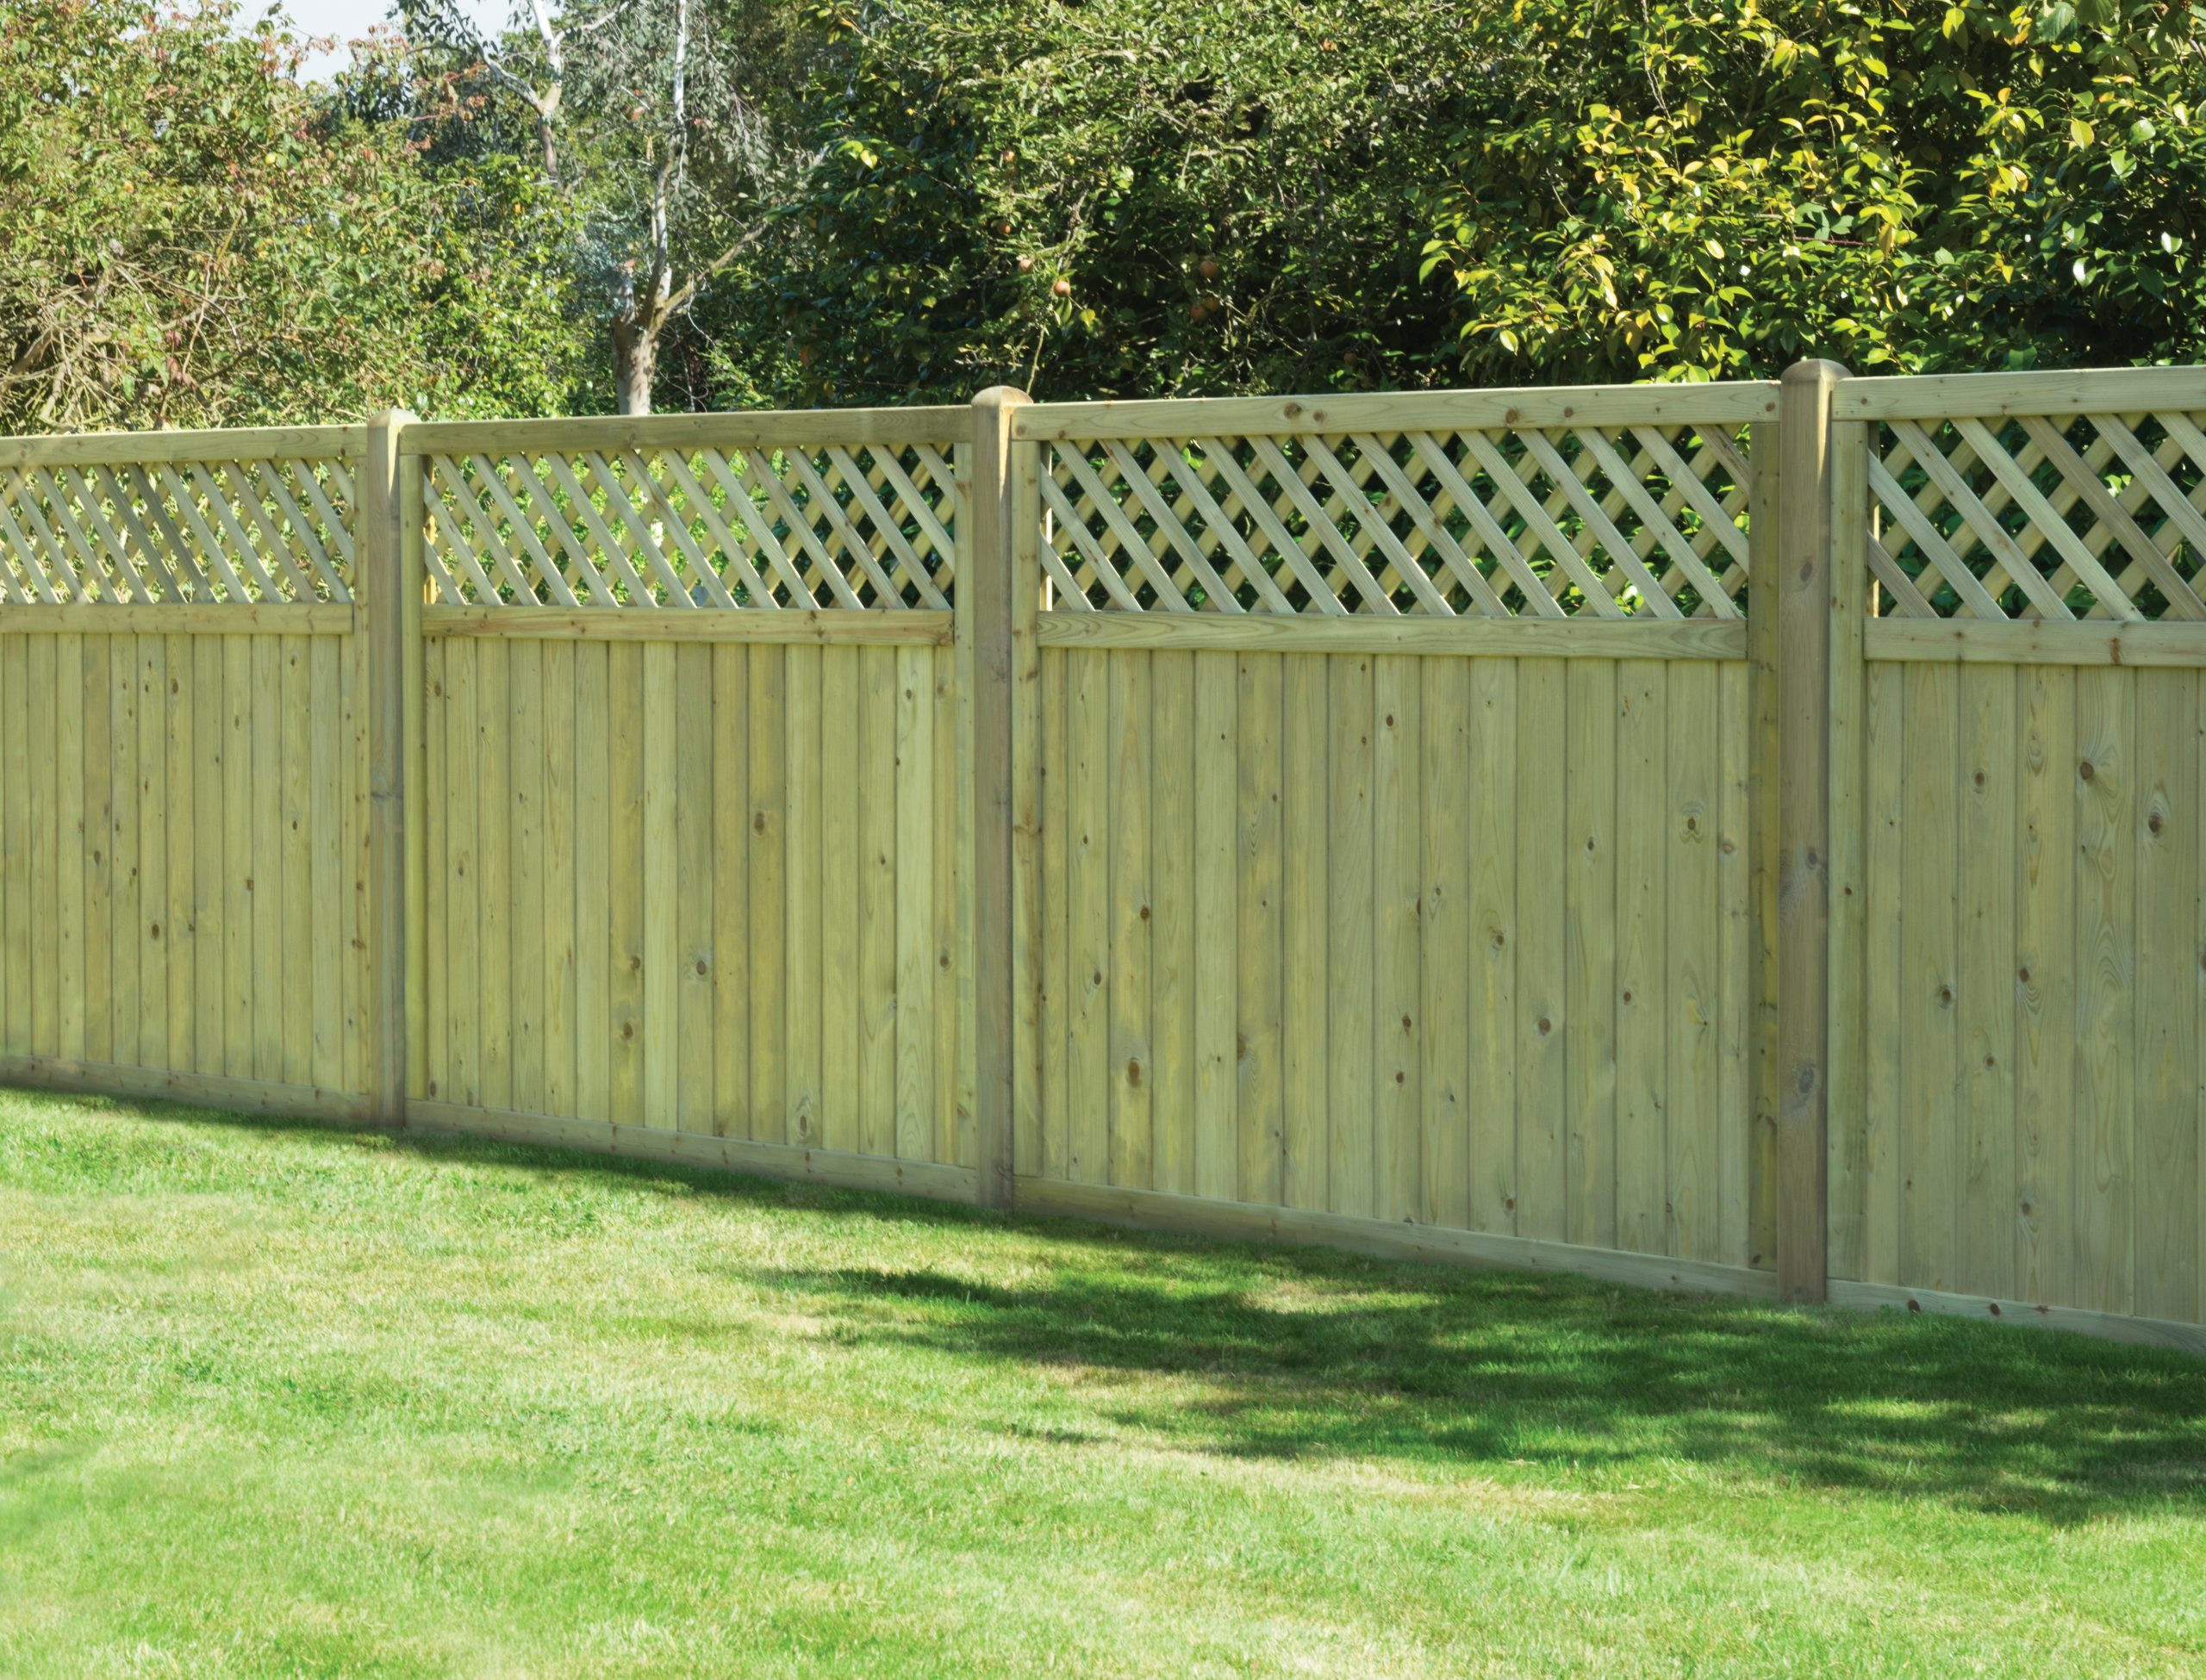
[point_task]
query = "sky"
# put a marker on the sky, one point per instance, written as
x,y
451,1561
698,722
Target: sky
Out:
x,y
346,19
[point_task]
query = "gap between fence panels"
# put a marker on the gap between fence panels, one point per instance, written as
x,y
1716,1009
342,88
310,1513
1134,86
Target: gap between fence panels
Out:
x,y
1385,821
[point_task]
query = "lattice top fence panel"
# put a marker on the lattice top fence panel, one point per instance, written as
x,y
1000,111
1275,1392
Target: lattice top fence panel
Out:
x,y
2046,516
1633,517
871,526
91,525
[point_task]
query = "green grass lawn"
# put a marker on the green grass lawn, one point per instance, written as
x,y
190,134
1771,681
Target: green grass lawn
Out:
x,y
282,1400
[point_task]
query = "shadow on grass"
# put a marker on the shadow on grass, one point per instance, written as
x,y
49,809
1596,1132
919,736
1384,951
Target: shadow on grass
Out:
x,y
1306,1353
1273,1353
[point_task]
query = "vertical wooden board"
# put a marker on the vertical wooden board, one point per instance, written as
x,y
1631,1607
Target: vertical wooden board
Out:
x,y
876,886
730,726
695,956
1046,1153
494,865
1984,1258
296,707
179,940
1130,1138
1642,1044
1689,995
2168,964
1088,877
436,793
1734,961
209,897
1763,786
1306,924
268,887
68,740
1219,909
126,929
100,886
463,1002
1172,948
958,1138
525,872
1258,1120
562,1016
12,750
914,923
356,915
42,845
1445,1043
662,890
1590,951
1864,1179
626,723
1543,858
96,771
153,930
769,930
16,750
1397,866
2106,1003
1349,970
1927,979
838,911
803,1015
325,861
1491,769
241,865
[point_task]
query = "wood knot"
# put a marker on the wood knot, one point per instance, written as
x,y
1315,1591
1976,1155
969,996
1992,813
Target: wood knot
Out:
x,y
2085,770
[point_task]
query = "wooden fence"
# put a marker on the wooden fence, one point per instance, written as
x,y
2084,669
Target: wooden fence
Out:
x,y
1745,836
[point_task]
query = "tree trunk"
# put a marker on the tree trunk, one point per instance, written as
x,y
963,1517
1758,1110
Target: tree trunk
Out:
x,y
635,358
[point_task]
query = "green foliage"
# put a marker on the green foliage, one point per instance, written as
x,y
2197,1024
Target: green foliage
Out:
x,y
1115,197
1715,189
193,239
1402,192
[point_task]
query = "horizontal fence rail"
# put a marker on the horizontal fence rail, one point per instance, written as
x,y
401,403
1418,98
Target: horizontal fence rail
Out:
x,y
1739,837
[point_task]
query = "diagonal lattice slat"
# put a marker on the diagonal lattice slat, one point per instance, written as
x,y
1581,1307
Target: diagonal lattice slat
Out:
x,y
839,526
204,532
2051,518
1552,522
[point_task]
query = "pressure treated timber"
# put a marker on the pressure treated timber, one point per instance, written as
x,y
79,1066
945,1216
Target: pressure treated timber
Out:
x,y
215,1091
775,1160
1215,417
2034,642
1243,1222
755,429
181,618
1805,605
823,627
2065,391
1503,637
233,444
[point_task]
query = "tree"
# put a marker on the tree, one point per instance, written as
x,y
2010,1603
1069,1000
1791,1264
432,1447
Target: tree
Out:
x,y
1133,197
1116,197
193,239
1714,191
642,116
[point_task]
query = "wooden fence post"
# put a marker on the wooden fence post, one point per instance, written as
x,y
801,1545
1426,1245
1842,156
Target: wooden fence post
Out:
x,y
1803,763
997,600
388,586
